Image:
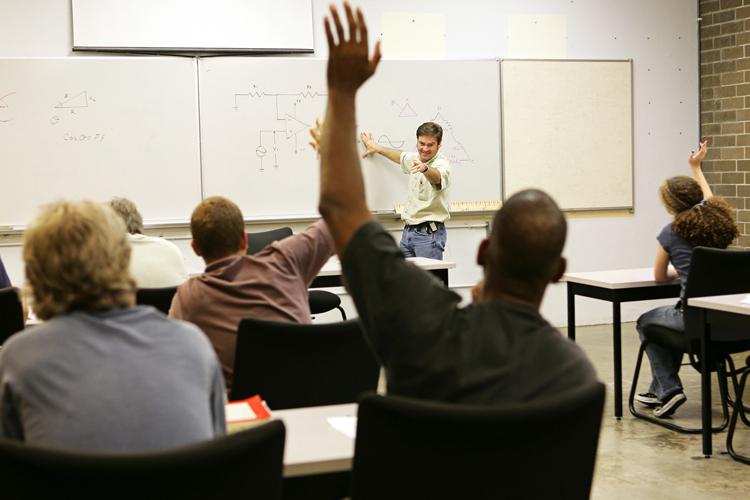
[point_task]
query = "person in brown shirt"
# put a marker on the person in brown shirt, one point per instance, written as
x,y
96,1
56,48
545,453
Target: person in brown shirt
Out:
x,y
271,284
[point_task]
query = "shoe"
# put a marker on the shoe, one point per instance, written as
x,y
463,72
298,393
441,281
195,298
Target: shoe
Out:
x,y
670,405
648,399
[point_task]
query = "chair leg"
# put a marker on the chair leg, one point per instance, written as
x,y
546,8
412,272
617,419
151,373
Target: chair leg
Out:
x,y
738,408
665,422
343,313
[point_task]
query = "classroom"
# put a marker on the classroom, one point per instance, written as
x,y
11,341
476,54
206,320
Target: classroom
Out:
x,y
510,82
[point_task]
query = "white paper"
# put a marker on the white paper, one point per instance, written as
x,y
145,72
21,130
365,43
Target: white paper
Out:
x,y
238,412
345,425
746,300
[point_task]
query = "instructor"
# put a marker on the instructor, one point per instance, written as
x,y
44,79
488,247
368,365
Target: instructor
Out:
x,y
426,208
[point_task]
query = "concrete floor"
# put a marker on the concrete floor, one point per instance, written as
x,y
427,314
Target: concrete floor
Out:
x,y
640,460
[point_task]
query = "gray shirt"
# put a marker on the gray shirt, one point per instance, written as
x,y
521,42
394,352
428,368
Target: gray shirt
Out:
x,y
680,253
125,380
488,353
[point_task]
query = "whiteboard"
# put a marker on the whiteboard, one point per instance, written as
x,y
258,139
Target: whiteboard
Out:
x,y
99,127
256,113
568,129
193,25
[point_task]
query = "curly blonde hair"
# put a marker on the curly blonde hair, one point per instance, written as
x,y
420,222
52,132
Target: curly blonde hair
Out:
x,y
77,258
708,223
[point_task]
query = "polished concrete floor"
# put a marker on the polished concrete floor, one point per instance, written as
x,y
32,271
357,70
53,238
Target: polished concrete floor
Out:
x,y
640,460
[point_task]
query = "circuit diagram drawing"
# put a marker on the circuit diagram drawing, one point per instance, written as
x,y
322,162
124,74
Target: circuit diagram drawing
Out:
x,y
71,104
452,148
290,116
5,107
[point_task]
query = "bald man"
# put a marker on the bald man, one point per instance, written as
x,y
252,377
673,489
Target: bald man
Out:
x,y
497,350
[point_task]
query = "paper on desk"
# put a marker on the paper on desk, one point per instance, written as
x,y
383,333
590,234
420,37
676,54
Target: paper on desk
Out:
x,y
746,300
345,425
237,412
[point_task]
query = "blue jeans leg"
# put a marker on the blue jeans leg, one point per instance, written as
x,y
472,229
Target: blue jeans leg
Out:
x,y
418,242
665,363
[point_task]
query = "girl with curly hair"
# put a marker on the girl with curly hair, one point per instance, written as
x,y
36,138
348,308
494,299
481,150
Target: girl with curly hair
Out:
x,y
700,219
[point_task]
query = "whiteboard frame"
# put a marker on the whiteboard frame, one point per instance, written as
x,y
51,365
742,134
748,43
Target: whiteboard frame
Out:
x,y
629,208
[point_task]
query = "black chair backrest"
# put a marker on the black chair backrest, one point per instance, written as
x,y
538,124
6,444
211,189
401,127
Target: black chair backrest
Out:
x,y
258,241
238,465
160,298
11,313
407,448
715,271
293,366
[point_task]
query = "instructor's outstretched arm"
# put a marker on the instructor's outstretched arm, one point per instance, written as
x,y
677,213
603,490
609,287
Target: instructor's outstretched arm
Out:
x,y
342,190
372,147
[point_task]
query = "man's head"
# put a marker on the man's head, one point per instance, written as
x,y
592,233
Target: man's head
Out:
x,y
429,139
77,258
129,213
524,251
218,229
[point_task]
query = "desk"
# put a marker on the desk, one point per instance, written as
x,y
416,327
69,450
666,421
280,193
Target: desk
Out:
x,y
625,285
313,446
330,274
722,311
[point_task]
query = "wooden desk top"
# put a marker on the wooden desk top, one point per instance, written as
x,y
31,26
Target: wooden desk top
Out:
x,y
616,279
727,303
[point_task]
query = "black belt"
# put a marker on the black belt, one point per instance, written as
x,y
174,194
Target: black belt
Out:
x,y
426,225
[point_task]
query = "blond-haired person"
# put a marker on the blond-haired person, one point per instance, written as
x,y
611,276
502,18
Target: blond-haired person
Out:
x,y
101,373
154,262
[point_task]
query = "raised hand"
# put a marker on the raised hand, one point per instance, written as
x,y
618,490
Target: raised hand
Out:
x,y
315,133
696,158
349,63
371,146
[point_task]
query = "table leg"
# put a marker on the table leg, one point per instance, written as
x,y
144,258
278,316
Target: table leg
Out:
x,y
706,385
617,348
571,312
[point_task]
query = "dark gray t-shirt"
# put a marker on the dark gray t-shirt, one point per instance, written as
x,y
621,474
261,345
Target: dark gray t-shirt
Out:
x,y
432,349
680,253
125,380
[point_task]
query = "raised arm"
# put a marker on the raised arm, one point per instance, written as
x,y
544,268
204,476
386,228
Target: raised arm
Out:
x,y
372,147
695,160
342,189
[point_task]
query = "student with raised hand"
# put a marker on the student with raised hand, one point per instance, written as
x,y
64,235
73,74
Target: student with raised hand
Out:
x,y
100,373
699,219
494,351
271,284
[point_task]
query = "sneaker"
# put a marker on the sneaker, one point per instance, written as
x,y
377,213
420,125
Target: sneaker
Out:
x,y
670,405
648,399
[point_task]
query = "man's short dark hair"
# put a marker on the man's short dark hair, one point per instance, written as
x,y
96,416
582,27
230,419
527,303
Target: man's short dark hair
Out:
x,y
528,235
217,228
431,129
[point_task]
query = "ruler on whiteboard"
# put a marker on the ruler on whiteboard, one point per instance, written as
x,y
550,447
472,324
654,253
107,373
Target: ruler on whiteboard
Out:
x,y
464,206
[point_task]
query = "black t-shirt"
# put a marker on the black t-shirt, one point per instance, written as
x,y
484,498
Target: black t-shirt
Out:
x,y
432,349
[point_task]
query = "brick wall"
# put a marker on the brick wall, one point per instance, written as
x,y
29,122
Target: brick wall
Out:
x,y
725,103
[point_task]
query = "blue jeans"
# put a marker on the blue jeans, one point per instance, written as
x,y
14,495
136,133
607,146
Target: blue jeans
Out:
x,y
421,241
665,364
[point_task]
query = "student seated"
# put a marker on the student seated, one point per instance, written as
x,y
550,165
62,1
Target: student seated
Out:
x,y
271,284
154,262
700,219
100,373
494,351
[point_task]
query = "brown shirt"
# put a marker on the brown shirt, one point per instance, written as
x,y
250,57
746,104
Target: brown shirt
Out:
x,y
271,284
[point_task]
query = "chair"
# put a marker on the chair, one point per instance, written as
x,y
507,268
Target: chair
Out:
x,y
242,464
407,448
293,366
712,271
11,313
321,301
160,298
740,410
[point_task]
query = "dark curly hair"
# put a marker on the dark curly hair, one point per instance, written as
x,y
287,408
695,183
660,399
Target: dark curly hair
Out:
x,y
707,223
